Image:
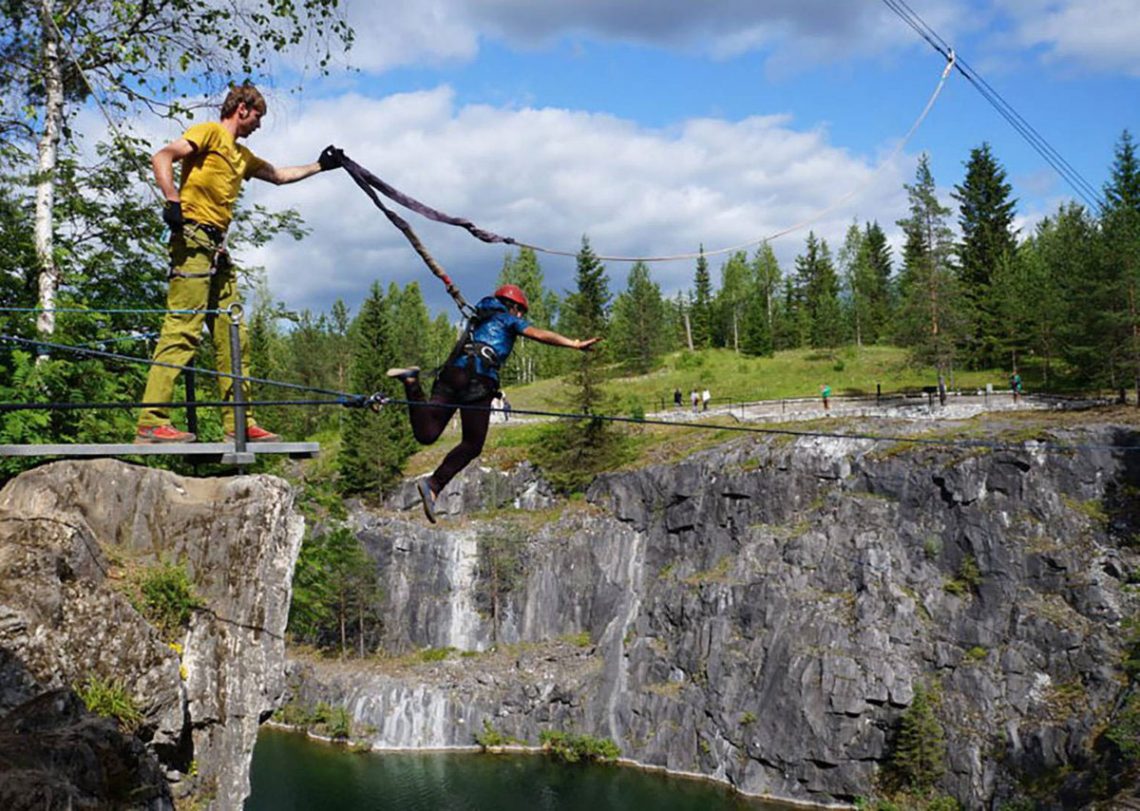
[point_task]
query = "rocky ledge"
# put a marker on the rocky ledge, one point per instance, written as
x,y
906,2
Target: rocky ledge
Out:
x,y
67,532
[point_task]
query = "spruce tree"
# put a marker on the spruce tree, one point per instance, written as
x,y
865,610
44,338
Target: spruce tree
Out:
x,y
700,309
985,218
819,286
1121,257
637,331
573,451
877,287
374,446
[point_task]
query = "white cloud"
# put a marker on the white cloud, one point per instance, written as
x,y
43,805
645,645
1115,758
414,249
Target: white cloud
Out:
x,y
1099,34
548,177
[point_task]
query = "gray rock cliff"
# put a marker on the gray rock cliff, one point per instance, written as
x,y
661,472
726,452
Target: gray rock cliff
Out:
x,y
763,613
65,529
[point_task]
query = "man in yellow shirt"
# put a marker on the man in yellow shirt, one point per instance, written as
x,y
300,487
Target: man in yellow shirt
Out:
x,y
198,212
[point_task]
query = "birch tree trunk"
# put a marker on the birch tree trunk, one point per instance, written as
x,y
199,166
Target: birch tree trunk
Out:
x,y
47,154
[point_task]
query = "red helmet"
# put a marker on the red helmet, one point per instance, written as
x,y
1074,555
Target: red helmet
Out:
x,y
513,293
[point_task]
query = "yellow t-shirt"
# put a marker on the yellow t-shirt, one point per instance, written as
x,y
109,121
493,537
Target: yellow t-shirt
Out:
x,y
212,175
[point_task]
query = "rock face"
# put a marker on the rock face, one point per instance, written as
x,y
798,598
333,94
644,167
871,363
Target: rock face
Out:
x,y
763,613
64,528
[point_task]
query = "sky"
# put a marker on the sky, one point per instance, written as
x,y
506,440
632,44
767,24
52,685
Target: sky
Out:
x,y
655,127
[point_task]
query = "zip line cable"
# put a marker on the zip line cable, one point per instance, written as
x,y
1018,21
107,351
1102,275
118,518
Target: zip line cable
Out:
x,y
364,179
97,353
1035,139
376,401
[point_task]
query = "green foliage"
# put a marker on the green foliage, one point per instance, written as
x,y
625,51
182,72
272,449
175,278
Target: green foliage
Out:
x,y
919,758
490,737
435,654
501,568
572,748
110,698
165,595
336,594
637,335
573,452
375,446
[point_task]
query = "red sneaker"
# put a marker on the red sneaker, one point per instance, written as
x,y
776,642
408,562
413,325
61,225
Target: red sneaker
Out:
x,y
155,434
255,433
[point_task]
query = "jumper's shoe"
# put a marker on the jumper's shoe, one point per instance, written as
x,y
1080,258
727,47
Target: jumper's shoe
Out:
x,y
428,498
158,434
255,433
405,375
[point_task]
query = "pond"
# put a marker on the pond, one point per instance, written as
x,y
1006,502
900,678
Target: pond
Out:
x,y
293,772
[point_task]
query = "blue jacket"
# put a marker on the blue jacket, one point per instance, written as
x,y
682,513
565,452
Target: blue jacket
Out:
x,y
496,329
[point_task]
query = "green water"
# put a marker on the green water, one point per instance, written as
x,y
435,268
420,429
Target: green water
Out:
x,y
291,772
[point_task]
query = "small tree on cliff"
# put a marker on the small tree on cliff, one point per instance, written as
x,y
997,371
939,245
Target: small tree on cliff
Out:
x,y
919,758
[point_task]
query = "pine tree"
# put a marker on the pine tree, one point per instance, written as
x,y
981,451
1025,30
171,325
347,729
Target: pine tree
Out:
x,y
1121,231
919,759
638,318
989,241
930,322
819,286
586,316
374,446
1067,282
572,452
876,286
700,309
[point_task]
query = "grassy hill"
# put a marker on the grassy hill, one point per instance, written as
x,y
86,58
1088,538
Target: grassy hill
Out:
x,y
729,377
737,378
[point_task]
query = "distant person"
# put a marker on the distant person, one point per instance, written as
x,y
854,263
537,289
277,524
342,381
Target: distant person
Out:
x,y
677,397
825,393
1015,385
695,399
470,378
506,408
497,408
706,396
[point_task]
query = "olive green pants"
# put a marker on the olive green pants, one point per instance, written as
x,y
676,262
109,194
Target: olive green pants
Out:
x,y
198,289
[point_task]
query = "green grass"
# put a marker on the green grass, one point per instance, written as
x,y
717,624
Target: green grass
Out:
x,y
736,378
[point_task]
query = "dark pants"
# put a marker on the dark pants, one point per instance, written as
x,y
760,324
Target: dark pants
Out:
x,y
454,387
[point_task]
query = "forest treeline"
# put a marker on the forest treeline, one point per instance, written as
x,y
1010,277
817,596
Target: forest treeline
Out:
x,y
1059,304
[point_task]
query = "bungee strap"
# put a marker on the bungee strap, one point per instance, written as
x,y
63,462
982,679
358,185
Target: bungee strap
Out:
x,y
365,180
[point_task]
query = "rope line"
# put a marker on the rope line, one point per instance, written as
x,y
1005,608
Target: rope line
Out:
x,y
98,353
1056,161
377,400
366,179
109,311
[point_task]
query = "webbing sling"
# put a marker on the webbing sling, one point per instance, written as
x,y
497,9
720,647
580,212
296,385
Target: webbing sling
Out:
x,y
366,180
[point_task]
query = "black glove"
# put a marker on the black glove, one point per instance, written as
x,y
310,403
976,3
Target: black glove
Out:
x,y
331,158
172,216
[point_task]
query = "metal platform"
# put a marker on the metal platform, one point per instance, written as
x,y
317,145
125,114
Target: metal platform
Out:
x,y
220,452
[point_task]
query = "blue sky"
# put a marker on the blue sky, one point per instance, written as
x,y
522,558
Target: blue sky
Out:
x,y
656,126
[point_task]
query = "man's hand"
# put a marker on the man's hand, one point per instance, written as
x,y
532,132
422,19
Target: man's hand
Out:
x,y
331,158
172,216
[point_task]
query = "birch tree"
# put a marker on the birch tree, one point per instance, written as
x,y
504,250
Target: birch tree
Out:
x,y
131,56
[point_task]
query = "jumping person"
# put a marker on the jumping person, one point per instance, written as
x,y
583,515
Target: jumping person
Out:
x,y
198,212
470,377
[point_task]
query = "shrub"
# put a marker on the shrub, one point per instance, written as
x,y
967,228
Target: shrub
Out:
x,y
571,747
109,698
165,596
